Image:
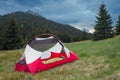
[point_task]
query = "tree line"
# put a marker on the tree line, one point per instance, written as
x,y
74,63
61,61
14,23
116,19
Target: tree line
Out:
x,y
17,28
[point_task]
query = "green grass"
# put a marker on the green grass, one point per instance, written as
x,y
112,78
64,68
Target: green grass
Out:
x,y
99,60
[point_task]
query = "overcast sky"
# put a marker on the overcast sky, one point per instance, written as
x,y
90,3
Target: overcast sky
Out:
x,y
78,13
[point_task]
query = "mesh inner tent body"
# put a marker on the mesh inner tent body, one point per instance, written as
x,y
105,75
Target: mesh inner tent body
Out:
x,y
42,44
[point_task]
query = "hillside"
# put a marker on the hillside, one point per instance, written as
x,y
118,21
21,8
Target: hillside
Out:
x,y
31,24
98,60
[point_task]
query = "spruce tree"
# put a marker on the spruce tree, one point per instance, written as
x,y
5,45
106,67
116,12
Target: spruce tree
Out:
x,y
1,38
12,36
103,26
118,26
84,34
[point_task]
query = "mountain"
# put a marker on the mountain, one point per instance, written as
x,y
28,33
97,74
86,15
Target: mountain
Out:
x,y
31,24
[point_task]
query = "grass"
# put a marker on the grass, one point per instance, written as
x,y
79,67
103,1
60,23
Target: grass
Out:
x,y
99,60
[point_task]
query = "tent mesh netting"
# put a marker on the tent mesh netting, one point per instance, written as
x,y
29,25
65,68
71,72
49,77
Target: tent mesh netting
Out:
x,y
42,44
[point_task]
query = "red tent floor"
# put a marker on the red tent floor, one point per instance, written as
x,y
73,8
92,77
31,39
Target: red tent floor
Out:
x,y
38,66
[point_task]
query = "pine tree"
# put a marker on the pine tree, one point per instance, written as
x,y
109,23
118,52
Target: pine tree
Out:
x,y
118,26
84,34
1,38
103,27
12,36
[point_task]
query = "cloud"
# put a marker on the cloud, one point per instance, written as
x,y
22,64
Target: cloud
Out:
x,y
91,30
68,12
27,3
78,26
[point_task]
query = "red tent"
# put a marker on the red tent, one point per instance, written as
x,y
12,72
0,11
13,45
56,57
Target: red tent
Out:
x,y
42,53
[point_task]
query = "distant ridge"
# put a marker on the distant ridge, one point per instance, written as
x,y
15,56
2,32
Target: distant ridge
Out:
x,y
31,24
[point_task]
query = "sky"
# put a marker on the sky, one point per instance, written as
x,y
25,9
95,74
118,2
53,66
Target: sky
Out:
x,y
77,13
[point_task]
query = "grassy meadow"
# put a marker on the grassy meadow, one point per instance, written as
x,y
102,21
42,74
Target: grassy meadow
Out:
x,y
99,60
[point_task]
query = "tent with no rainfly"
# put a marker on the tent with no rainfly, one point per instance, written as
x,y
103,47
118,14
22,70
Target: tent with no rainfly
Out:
x,y
44,52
